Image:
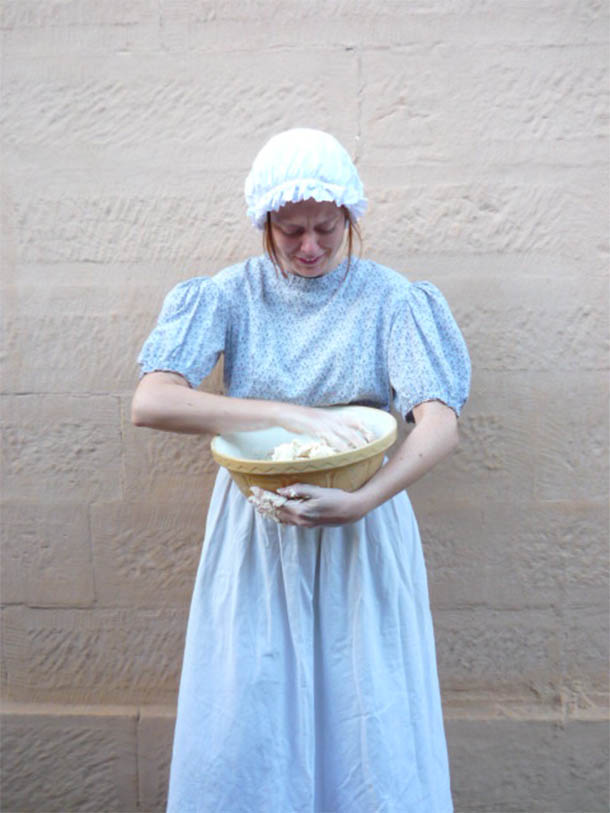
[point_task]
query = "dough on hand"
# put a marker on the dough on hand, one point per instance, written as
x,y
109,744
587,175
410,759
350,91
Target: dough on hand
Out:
x,y
266,502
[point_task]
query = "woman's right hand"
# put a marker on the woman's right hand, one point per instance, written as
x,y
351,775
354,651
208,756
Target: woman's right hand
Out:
x,y
340,431
164,400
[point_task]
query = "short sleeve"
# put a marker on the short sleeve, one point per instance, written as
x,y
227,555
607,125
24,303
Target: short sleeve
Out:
x,y
190,332
428,359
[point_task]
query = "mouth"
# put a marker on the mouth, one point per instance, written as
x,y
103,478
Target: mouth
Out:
x,y
312,261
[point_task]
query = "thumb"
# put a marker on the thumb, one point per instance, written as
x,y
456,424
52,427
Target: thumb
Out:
x,y
298,491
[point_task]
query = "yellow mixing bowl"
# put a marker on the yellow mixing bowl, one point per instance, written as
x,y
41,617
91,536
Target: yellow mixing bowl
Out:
x,y
244,455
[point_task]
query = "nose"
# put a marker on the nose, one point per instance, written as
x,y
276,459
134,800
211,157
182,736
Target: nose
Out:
x,y
309,243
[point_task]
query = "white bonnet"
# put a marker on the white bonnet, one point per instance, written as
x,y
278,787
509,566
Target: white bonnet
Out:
x,y
300,164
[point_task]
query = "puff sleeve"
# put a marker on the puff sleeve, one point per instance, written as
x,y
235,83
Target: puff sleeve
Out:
x,y
190,333
428,359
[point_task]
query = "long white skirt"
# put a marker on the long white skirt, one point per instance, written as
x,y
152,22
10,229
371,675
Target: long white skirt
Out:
x,y
309,681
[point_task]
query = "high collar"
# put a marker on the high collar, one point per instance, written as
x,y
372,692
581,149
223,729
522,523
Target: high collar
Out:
x,y
324,285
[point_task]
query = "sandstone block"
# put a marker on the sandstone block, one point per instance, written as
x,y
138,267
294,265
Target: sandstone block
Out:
x,y
585,552
146,554
505,765
61,447
46,555
119,228
155,736
508,216
204,26
58,364
85,656
497,434
585,783
571,23
516,765
32,14
454,273
59,758
515,322
585,646
497,556
571,439
549,558
31,42
152,106
202,231
434,105
479,648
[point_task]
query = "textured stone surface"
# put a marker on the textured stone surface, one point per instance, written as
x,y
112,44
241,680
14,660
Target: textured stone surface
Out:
x,y
585,645
146,555
61,447
129,226
543,555
155,736
532,324
572,436
32,14
87,656
480,131
45,558
479,648
489,216
505,766
435,104
204,26
585,783
64,758
156,103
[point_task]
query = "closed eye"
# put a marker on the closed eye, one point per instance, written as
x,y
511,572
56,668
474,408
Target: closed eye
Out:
x,y
297,231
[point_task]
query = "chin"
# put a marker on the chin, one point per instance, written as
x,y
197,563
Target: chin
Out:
x,y
316,270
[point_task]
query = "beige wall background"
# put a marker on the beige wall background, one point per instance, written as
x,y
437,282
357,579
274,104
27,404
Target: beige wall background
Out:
x,y
480,131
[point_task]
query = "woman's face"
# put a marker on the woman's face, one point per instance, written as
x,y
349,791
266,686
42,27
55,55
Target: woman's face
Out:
x,y
308,236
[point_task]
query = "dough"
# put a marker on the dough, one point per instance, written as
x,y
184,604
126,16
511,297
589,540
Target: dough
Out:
x,y
301,450
266,502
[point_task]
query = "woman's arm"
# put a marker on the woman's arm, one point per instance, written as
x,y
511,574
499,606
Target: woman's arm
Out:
x,y
164,400
434,437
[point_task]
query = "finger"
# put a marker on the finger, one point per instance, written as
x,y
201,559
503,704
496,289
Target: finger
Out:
x,y
291,514
355,433
363,432
337,439
340,438
298,491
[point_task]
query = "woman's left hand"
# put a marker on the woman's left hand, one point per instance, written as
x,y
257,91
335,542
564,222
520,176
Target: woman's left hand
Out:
x,y
434,437
309,506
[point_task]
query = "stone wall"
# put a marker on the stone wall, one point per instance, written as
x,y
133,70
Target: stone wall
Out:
x,y
480,130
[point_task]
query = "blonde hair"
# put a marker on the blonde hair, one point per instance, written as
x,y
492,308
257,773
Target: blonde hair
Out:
x,y
270,248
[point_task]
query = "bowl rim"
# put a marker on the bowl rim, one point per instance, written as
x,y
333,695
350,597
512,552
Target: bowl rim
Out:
x,y
258,466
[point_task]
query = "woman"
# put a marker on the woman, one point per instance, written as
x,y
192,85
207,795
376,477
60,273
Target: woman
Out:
x,y
309,679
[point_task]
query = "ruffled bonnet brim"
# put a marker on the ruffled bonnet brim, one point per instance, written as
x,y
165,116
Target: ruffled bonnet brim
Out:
x,y
305,189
